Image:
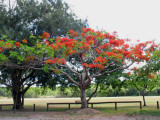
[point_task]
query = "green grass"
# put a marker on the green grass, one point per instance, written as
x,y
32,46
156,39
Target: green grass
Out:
x,y
145,112
149,112
108,109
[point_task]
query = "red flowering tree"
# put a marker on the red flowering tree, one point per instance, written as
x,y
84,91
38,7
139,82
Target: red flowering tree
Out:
x,y
144,80
81,58
92,54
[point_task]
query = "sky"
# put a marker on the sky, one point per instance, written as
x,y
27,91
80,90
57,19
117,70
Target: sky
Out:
x,y
133,19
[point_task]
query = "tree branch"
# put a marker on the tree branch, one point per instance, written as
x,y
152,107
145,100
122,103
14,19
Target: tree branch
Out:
x,y
5,84
93,92
28,86
30,75
73,81
106,72
66,66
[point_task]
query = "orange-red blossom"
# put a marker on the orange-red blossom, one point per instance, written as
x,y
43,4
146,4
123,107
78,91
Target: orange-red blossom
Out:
x,y
45,35
113,48
150,76
1,50
17,44
73,33
93,66
24,40
55,60
29,58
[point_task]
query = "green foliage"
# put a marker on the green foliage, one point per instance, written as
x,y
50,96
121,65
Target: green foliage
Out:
x,y
36,92
143,80
45,68
154,63
17,56
3,58
5,92
33,17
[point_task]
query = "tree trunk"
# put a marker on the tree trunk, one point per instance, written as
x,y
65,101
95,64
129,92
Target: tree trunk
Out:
x,y
144,100
22,103
83,98
17,100
16,89
22,95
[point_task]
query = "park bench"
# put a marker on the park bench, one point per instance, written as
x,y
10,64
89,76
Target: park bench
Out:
x,y
115,102
79,102
4,105
12,106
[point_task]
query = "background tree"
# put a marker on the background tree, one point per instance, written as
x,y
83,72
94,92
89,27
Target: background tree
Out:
x,y
33,17
144,80
154,63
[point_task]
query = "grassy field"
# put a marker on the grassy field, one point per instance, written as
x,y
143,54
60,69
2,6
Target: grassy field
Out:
x,y
123,108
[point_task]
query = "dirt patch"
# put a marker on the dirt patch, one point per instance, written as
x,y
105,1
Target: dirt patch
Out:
x,y
74,114
84,111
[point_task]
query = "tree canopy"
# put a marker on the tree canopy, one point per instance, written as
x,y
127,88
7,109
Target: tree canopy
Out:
x,y
33,17
80,57
144,80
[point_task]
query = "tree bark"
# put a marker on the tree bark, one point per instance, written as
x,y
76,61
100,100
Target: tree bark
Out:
x,y
17,100
22,103
83,98
16,89
144,100
22,97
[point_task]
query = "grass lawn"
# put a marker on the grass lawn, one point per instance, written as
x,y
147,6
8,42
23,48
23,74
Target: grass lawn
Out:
x,y
108,109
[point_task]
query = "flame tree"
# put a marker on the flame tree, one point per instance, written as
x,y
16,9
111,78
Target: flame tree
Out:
x,y
144,79
80,57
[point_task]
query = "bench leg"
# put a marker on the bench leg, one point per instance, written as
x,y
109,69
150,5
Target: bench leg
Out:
x,y
92,106
140,105
47,106
34,107
157,104
0,107
69,106
115,106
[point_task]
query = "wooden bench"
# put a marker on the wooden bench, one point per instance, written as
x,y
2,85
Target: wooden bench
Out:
x,y
34,106
5,105
69,104
115,102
